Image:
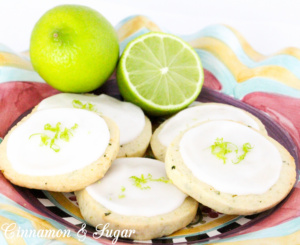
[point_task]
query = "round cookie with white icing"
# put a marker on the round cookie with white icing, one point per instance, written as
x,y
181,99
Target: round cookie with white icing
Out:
x,y
230,167
135,127
59,149
167,131
136,194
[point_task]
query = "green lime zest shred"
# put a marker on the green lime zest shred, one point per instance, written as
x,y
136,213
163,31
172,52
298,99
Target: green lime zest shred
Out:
x,y
74,126
57,133
123,188
44,139
55,129
139,182
161,179
246,148
80,105
221,148
121,196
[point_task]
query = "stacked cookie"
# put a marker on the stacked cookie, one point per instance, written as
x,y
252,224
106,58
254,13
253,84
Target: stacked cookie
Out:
x,y
69,143
60,149
223,158
213,154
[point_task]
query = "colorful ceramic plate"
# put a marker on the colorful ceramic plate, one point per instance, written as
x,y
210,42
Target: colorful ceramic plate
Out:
x,y
207,225
271,84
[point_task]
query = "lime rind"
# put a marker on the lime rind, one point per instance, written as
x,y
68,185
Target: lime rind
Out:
x,y
154,93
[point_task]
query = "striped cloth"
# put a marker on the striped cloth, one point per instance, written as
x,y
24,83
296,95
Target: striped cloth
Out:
x,y
232,66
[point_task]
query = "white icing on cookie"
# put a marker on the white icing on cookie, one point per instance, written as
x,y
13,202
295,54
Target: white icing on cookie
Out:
x,y
118,192
30,155
197,114
129,117
255,174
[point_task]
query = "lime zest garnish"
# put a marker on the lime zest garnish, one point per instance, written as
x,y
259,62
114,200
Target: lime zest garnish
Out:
x,y
66,133
80,105
44,139
54,147
246,148
138,182
59,133
220,149
53,129
161,179
74,126
122,195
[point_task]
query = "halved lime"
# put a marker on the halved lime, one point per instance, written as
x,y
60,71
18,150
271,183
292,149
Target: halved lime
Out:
x,y
160,73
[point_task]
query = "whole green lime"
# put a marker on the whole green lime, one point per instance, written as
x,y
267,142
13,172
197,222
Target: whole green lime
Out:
x,y
74,48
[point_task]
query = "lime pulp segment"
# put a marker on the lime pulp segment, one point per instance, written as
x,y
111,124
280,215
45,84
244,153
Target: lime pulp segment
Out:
x,y
163,70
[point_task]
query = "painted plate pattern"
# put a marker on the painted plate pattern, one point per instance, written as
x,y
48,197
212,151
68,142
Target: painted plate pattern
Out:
x,y
207,225
266,86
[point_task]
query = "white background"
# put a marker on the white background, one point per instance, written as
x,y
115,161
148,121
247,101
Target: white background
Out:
x,y
269,25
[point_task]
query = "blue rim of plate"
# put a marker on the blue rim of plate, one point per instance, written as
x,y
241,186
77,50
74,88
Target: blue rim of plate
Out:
x,y
58,213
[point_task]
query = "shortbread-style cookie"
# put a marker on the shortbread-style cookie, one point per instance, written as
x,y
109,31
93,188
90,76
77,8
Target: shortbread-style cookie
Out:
x,y
135,127
59,149
139,145
172,127
135,194
230,167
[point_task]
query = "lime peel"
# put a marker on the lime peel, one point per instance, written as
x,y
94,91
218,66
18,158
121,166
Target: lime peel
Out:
x,y
59,133
221,148
86,106
158,95
139,182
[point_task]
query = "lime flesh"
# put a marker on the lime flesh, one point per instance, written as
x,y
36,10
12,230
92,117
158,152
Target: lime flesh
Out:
x,y
160,73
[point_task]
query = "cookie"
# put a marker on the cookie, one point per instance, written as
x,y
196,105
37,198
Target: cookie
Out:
x,y
167,131
139,145
135,127
59,150
136,195
230,167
